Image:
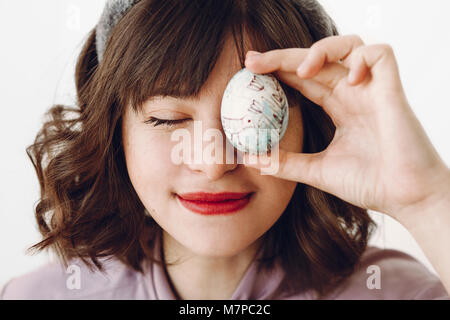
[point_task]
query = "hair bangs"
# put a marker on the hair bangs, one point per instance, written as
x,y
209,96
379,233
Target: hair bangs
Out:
x,y
172,50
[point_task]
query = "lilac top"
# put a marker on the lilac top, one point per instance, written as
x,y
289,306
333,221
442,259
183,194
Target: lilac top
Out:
x,y
401,277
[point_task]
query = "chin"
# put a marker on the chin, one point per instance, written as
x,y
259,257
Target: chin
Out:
x,y
217,248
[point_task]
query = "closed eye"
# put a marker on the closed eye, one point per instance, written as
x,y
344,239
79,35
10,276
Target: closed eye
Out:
x,y
166,122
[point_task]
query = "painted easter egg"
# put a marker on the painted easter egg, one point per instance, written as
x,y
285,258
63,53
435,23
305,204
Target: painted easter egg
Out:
x,y
254,111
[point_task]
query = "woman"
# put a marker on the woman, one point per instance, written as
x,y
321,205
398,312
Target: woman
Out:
x,y
113,201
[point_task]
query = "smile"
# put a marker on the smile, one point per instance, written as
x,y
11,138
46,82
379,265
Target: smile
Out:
x,y
214,203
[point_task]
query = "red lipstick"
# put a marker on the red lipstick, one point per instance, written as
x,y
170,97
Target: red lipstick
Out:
x,y
214,203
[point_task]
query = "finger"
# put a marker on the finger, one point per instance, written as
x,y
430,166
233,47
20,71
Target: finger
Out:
x,y
358,69
310,88
286,60
330,75
299,167
366,58
328,50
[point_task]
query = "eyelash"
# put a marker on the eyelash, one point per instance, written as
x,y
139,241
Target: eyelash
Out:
x,y
166,122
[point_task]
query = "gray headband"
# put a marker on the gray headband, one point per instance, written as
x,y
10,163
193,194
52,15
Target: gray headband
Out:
x,y
114,10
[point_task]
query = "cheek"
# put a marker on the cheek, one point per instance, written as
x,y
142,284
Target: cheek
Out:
x,y
276,193
293,138
148,162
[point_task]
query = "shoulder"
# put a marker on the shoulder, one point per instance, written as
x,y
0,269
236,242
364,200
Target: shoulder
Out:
x,y
392,275
53,281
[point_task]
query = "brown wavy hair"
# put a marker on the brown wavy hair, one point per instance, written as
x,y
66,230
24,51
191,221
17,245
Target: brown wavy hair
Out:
x,y
88,208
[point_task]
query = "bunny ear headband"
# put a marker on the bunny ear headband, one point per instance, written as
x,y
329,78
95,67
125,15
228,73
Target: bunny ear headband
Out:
x,y
114,10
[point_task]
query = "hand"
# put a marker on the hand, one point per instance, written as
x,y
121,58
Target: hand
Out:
x,y
380,157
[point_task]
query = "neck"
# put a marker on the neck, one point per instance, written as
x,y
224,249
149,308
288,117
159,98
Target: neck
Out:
x,y
205,278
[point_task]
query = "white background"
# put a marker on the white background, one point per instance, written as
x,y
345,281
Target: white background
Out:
x,y
41,39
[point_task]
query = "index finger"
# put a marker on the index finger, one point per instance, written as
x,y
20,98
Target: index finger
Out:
x,y
329,50
326,50
284,60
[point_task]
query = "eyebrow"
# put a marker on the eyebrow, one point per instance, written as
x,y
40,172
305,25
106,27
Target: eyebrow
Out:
x,y
176,100
193,98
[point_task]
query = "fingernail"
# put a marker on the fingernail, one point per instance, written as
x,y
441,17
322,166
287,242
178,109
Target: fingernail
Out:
x,y
303,69
253,55
351,77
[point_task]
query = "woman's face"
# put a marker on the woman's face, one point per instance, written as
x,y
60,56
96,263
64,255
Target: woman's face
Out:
x,y
157,179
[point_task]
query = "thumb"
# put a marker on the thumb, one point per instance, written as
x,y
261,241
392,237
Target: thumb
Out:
x,y
299,167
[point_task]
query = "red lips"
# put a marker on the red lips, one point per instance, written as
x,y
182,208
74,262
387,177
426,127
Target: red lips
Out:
x,y
214,203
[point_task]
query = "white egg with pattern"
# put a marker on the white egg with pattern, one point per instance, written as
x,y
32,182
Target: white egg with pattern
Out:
x,y
254,111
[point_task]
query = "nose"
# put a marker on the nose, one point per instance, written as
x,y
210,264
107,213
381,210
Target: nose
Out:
x,y
214,156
